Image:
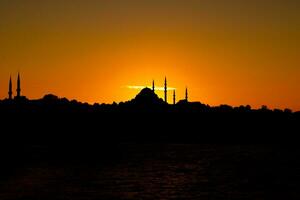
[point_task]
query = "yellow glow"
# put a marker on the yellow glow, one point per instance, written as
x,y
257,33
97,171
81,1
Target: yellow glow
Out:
x,y
142,87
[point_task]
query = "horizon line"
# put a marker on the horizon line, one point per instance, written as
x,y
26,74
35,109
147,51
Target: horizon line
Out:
x,y
137,87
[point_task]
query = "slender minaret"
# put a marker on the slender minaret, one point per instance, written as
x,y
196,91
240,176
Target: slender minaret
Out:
x,y
153,87
186,94
18,86
166,100
174,97
10,93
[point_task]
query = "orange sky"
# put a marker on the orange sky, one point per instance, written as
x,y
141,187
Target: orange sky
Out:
x,y
226,53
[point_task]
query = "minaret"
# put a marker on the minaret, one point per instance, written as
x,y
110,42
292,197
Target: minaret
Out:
x,y
10,93
186,94
153,88
174,97
18,86
166,100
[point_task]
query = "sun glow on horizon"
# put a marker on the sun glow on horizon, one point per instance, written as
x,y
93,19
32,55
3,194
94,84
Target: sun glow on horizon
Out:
x,y
136,87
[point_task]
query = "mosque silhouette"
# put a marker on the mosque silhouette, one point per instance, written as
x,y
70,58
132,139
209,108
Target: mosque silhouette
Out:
x,y
145,98
146,95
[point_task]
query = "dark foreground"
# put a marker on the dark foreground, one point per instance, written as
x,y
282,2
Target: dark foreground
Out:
x,y
151,171
67,154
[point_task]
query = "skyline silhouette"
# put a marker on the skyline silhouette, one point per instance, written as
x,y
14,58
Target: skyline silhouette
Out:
x,y
19,97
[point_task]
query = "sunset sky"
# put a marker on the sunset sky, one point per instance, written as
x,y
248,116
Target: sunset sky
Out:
x,y
226,52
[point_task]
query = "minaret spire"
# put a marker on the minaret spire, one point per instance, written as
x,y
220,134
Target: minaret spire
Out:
x,y
153,87
166,100
10,93
186,94
19,86
174,97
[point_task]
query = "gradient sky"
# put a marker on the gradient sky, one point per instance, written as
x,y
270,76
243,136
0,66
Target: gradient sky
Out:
x,y
226,52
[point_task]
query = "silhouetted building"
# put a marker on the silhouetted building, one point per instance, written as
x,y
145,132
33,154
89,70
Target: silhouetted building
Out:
x,y
166,98
147,99
174,97
186,95
10,93
18,86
